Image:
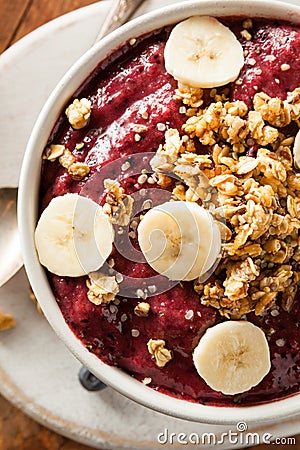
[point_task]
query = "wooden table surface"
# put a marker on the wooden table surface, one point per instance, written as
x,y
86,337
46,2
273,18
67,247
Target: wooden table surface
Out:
x,y
18,432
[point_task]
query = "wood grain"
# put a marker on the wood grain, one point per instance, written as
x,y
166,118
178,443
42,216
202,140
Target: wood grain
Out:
x,y
11,16
17,431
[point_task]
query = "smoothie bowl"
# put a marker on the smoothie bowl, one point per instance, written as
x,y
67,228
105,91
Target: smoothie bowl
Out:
x,y
159,210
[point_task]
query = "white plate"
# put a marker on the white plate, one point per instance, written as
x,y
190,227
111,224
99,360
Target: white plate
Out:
x,y
37,373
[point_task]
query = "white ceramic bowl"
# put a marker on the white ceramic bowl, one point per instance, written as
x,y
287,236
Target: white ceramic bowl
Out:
x,y
28,201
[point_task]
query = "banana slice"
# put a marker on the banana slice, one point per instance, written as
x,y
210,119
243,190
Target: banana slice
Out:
x,y
296,151
179,240
232,357
73,236
202,52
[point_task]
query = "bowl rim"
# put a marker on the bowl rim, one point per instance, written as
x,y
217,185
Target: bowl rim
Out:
x,y
28,201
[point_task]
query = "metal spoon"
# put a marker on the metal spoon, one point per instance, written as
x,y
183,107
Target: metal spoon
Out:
x,y
10,256
10,253
120,12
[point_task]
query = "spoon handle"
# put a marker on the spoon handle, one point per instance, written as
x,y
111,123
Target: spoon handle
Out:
x,y
119,14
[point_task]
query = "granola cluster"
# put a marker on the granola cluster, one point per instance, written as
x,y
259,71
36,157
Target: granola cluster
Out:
x,y
142,309
6,322
246,178
79,113
118,205
101,288
159,352
77,170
